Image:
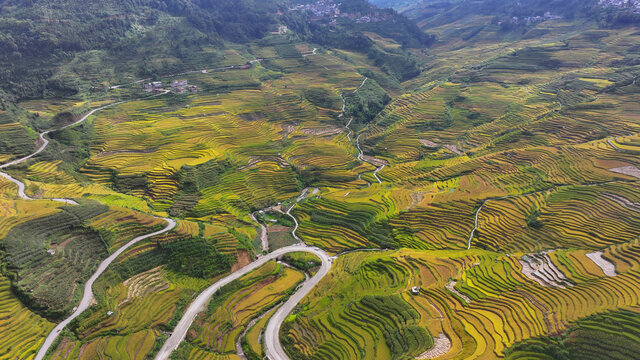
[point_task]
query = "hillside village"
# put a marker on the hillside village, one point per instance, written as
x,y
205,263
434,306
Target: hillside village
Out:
x,y
533,19
633,5
329,9
177,87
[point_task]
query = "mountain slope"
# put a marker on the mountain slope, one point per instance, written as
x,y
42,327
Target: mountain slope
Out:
x,y
59,48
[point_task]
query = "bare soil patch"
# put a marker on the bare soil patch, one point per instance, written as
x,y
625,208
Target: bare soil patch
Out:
x,y
254,160
287,129
254,116
441,346
608,268
453,149
540,268
244,259
626,203
451,287
324,131
428,143
416,198
627,170
371,159
279,228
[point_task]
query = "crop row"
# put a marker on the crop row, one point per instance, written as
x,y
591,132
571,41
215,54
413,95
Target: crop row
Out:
x,y
21,331
589,217
492,305
613,335
231,309
51,254
134,346
15,141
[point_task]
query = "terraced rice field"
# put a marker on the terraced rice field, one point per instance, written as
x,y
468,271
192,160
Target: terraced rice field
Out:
x,y
130,316
506,215
16,141
22,330
134,346
217,331
493,303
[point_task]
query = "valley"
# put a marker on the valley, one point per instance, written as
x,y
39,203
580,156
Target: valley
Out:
x,y
339,182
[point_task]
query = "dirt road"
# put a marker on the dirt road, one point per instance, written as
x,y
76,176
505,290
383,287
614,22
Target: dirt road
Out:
x,y
263,233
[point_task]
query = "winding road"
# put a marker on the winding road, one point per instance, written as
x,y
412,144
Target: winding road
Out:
x,y
360,156
272,342
274,349
273,346
87,295
45,141
303,194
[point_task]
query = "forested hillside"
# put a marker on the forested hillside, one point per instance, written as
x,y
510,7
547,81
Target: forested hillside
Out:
x,y
516,14
59,48
37,38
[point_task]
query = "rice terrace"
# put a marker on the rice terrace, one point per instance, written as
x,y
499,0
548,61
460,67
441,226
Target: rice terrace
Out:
x,y
319,179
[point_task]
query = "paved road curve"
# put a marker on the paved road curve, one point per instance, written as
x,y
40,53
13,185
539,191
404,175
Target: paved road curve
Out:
x,y
199,304
272,343
45,142
87,296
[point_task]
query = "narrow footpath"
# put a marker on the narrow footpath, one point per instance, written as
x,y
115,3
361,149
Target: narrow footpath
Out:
x,y
379,164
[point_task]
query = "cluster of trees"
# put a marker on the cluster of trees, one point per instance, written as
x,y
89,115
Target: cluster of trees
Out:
x,y
38,38
350,35
613,17
197,257
192,179
365,104
302,262
321,97
404,337
398,27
